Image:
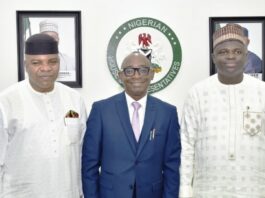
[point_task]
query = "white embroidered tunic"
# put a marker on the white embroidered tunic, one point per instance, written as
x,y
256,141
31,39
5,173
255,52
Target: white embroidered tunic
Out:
x,y
223,140
40,148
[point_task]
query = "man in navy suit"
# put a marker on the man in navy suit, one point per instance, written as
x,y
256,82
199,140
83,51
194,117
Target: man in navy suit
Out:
x,y
144,165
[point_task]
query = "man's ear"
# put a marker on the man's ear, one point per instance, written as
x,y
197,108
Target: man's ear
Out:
x,y
152,74
120,75
25,65
247,41
213,57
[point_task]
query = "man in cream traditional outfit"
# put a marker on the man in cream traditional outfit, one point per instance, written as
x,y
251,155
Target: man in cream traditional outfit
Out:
x,y
222,130
51,28
42,123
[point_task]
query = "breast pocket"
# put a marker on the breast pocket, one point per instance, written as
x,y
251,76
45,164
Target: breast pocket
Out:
x,y
72,129
159,142
253,122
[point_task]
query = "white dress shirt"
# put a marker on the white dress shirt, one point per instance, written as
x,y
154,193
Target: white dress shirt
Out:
x,y
40,148
223,140
141,110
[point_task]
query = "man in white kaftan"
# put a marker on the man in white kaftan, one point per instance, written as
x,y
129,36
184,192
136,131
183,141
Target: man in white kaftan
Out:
x,y
224,139
42,124
223,129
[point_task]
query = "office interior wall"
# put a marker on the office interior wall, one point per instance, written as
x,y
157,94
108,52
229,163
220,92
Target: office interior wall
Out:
x,y
189,19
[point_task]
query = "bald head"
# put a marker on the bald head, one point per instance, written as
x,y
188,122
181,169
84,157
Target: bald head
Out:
x,y
134,56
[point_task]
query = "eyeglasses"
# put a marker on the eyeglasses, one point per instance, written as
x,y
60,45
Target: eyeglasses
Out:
x,y
130,71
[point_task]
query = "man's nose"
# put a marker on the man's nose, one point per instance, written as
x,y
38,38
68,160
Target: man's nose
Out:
x,y
137,73
231,55
45,67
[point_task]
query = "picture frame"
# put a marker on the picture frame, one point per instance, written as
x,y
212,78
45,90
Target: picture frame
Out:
x,y
67,25
254,30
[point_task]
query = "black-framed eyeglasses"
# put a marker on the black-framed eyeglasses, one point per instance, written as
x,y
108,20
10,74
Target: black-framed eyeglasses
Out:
x,y
130,71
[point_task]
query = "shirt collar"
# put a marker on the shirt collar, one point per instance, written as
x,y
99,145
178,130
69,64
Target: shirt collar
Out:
x,y
40,93
243,82
142,101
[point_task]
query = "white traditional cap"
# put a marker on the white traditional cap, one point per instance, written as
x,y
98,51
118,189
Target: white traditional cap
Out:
x,y
48,25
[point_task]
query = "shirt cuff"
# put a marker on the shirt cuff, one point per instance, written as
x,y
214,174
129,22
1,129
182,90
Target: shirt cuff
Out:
x,y
185,192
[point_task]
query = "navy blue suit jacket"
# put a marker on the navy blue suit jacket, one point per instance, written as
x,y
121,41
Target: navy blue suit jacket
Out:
x,y
109,144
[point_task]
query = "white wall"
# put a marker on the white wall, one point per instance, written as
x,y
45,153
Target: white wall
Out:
x,y
189,19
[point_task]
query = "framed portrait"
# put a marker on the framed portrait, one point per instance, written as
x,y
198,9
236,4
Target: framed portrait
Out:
x,y
254,30
65,27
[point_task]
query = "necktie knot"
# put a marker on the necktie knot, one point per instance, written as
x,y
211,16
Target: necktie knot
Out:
x,y
136,105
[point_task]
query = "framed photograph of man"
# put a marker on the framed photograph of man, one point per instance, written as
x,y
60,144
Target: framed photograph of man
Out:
x,y
64,27
253,28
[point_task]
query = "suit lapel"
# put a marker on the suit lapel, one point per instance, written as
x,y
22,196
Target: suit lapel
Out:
x,y
122,109
148,123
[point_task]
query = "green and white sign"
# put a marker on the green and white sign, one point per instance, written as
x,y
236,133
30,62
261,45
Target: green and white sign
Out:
x,y
152,38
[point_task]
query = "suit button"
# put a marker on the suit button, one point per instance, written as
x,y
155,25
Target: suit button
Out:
x,y
136,162
131,187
